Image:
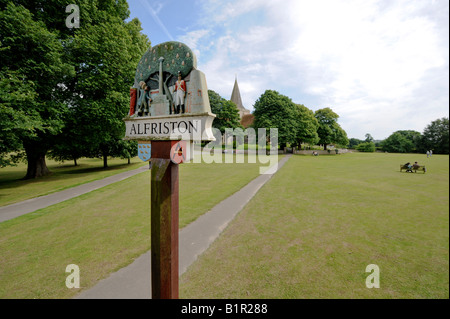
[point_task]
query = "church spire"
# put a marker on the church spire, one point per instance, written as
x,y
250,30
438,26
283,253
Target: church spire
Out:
x,y
236,95
236,99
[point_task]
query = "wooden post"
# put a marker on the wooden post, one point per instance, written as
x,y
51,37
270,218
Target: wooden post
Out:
x,y
164,222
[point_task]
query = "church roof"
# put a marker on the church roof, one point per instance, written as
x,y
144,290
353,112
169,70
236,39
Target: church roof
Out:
x,y
236,97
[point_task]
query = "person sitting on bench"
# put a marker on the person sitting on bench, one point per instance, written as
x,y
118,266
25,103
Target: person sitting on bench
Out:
x,y
408,167
415,166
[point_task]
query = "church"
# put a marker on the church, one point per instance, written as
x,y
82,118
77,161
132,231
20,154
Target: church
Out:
x,y
244,114
236,99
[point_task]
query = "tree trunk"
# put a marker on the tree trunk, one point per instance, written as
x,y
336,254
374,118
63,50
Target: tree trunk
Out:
x,y
75,162
325,147
105,160
36,166
129,160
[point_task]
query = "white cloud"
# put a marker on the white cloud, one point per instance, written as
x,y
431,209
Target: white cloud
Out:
x,y
371,61
192,39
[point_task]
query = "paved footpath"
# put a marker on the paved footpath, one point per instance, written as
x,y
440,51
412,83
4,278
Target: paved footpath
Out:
x,y
134,281
31,205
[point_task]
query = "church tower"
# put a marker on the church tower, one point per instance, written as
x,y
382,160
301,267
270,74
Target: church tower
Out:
x,y
236,98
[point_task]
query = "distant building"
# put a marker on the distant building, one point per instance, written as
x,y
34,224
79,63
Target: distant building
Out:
x,y
236,99
247,120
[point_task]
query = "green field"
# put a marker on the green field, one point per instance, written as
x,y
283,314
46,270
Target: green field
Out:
x,y
310,232
313,228
101,231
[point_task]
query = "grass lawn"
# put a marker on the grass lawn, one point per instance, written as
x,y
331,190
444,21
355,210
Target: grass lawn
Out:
x,y
13,189
101,231
313,228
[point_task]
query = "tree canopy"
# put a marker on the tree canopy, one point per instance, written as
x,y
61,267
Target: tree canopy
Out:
x,y
329,131
435,137
274,110
403,141
33,68
65,90
307,126
227,113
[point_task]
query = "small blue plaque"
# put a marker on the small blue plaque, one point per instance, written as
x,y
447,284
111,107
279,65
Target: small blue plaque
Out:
x,y
145,151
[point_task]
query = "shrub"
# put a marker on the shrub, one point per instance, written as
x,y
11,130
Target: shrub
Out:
x,y
366,147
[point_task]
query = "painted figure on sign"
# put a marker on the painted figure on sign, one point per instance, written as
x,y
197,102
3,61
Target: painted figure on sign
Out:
x,y
143,105
180,92
133,93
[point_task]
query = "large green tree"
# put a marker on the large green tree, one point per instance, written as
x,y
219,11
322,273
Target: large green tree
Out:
x,y
403,141
77,79
105,52
274,110
227,113
307,126
33,68
330,132
435,137
15,122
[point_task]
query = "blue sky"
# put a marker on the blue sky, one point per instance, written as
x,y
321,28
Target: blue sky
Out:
x,y
381,65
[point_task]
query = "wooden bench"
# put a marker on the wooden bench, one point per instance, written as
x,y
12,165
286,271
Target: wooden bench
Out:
x,y
414,168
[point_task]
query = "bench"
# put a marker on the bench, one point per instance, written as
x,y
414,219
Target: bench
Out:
x,y
414,168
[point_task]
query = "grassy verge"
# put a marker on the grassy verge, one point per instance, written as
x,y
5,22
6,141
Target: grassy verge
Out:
x,y
101,231
314,227
13,189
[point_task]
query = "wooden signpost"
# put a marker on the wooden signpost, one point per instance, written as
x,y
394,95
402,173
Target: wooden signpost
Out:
x,y
169,109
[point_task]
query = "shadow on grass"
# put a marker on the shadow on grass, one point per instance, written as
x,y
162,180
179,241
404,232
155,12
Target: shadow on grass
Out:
x,y
95,169
59,172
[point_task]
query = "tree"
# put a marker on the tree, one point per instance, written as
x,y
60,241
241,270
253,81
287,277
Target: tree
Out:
x,y
307,126
329,130
369,138
105,53
77,80
32,69
273,110
436,137
15,122
403,141
227,113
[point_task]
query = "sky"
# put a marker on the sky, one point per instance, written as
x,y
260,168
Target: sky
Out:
x,y
382,66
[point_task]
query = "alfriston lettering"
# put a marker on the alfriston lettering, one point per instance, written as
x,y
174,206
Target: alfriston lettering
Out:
x,y
133,130
185,127
154,126
164,128
191,126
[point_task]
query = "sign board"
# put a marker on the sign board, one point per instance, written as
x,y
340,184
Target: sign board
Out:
x,y
169,109
169,99
196,127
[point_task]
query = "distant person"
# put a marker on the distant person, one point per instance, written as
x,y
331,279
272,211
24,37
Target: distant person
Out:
x,y
431,153
428,154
